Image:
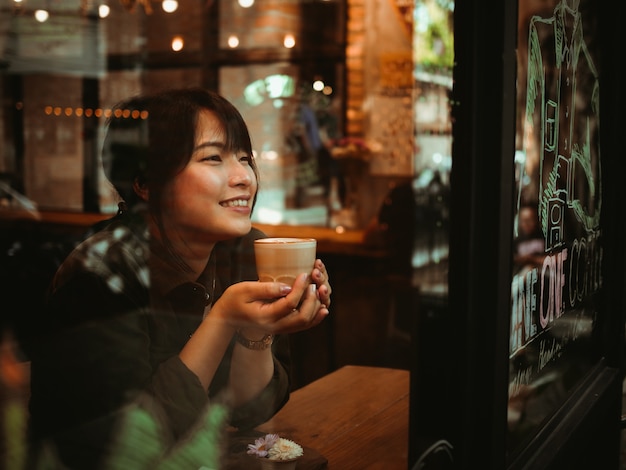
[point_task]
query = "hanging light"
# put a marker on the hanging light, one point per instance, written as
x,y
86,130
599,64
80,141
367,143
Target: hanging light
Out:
x,y
41,15
103,11
169,6
233,41
177,43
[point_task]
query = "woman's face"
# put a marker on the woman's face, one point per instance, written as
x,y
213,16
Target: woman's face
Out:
x,y
211,199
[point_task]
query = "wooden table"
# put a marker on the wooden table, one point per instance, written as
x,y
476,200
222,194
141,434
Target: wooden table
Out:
x,y
357,417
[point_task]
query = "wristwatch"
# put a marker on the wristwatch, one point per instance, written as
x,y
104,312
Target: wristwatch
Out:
x,y
258,345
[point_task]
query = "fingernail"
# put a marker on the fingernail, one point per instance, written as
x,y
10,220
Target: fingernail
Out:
x,y
285,289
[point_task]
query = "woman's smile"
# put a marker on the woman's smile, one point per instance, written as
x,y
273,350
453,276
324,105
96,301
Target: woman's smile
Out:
x,y
236,203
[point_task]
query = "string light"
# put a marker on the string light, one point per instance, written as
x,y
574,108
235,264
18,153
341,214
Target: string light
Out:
x,y
79,112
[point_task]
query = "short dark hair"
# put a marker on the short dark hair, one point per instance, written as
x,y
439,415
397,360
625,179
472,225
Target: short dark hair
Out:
x,y
150,139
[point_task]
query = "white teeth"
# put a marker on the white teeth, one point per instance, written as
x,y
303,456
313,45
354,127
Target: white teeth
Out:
x,y
236,203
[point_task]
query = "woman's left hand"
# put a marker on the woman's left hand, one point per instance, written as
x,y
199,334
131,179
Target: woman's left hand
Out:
x,y
313,305
320,277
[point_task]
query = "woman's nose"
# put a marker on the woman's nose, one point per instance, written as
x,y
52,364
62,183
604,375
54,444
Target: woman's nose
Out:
x,y
240,174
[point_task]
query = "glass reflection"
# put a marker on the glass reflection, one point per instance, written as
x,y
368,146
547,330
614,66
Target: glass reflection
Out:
x,y
433,55
557,238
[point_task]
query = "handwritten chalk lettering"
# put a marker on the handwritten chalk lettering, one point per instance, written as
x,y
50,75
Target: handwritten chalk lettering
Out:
x,y
584,271
582,324
552,307
523,326
580,273
522,377
548,350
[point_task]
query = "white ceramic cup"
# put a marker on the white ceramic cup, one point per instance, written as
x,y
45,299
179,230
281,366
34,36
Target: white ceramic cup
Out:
x,y
282,259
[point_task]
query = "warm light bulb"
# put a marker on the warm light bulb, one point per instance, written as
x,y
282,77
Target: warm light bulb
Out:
x,y
177,43
318,85
233,41
289,41
246,3
103,11
169,6
41,15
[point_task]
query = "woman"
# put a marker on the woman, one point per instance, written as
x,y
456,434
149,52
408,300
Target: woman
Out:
x,y
161,305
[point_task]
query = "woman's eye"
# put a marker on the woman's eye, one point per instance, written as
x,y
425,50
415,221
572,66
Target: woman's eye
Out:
x,y
245,158
212,158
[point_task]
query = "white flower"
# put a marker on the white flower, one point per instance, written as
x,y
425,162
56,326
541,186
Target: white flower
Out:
x,y
262,445
284,449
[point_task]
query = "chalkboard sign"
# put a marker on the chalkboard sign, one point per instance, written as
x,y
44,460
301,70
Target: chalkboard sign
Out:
x,y
558,246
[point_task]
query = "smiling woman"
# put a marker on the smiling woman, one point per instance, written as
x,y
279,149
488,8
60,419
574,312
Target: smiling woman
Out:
x,y
213,195
158,309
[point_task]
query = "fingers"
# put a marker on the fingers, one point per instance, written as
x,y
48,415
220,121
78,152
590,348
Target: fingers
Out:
x,y
274,290
296,295
297,311
321,279
307,314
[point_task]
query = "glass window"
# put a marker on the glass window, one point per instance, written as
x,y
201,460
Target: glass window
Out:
x,y
557,243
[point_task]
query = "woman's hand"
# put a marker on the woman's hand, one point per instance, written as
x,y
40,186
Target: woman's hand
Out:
x,y
320,277
275,307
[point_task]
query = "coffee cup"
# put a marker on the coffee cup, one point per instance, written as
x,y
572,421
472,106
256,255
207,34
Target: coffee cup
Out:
x,y
282,259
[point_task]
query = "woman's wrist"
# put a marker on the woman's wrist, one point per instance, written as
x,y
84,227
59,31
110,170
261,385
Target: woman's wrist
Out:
x,y
253,338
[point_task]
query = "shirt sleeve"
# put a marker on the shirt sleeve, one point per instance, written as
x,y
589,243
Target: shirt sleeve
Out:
x,y
274,396
179,395
235,263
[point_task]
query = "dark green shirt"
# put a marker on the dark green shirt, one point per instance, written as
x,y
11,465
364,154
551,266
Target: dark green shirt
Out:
x,y
116,320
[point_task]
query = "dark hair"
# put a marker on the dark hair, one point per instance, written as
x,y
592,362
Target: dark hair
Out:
x,y
150,139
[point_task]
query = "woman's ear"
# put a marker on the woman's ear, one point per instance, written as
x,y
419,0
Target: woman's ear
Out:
x,y
141,189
